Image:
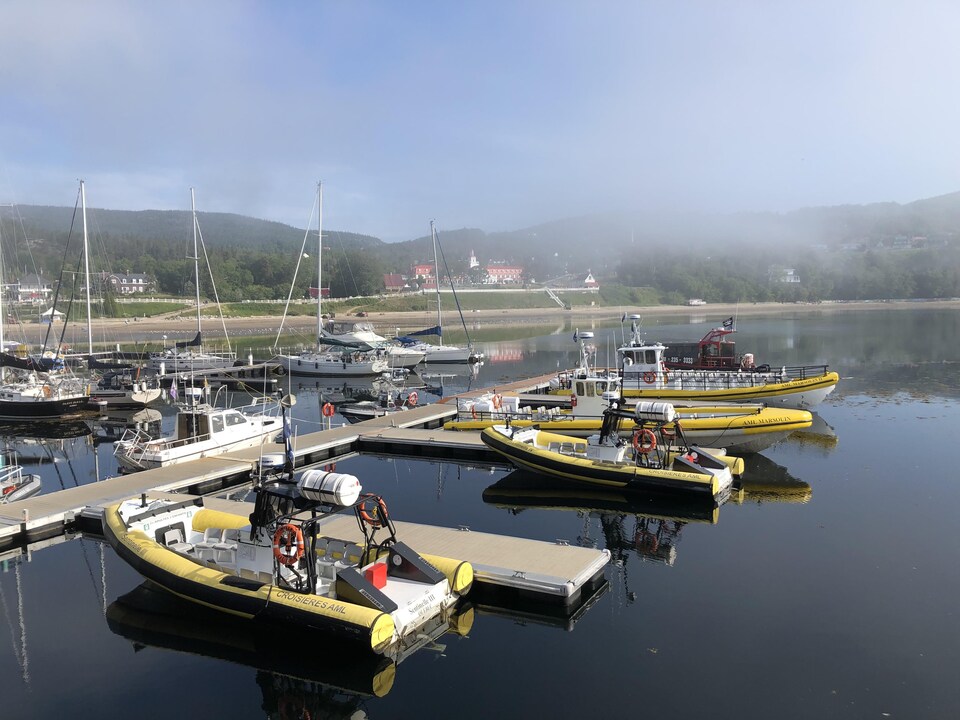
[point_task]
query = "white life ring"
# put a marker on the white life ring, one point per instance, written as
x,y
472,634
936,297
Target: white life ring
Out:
x,y
627,361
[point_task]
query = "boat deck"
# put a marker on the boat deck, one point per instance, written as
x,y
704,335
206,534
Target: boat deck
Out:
x,y
534,568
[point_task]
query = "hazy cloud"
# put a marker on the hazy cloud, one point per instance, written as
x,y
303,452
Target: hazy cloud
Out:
x,y
494,115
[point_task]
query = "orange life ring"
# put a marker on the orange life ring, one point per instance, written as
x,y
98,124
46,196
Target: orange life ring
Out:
x,y
644,441
473,412
47,392
376,517
412,398
649,378
288,544
497,401
327,410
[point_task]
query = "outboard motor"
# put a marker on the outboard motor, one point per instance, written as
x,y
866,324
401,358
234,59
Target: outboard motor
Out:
x,y
270,464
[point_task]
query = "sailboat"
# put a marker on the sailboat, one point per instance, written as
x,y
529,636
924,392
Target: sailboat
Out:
x,y
38,392
182,357
350,331
353,359
118,388
440,353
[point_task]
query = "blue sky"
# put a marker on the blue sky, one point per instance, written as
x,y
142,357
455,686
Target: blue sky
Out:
x,y
497,115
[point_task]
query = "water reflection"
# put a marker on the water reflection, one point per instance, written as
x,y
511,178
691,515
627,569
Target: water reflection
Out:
x,y
643,524
13,610
765,481
294,676
819,435
112,426
39,430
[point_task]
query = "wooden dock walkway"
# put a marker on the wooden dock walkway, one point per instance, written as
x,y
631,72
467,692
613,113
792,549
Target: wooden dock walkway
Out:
x,y
412,433
527,568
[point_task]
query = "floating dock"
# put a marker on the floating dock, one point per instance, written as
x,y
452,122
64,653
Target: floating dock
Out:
x,y
529,569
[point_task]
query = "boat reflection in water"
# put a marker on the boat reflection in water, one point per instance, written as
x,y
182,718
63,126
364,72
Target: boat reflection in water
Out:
x,y
44,430
765,481
110,427
819,435
296,680
357,389
644,524
41,443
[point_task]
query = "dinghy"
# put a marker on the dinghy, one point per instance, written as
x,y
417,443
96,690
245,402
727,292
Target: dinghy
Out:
x,y
656,459
275,565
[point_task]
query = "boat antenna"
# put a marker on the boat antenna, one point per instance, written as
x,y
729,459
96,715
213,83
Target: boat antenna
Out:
x,y
286,403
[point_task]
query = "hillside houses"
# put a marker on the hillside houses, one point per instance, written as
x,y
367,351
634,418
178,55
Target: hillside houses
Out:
x,y
128,284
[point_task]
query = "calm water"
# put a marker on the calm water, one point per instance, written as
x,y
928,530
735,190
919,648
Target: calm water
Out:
x,y
843,606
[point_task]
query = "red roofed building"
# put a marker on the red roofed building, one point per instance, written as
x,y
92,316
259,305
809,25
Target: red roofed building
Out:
x,y
394,283
424,270
503,274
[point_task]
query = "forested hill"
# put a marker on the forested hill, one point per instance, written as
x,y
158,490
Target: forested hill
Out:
x,y
843,252
173,228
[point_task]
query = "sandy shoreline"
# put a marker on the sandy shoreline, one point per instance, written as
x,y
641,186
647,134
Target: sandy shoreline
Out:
x,y
152,330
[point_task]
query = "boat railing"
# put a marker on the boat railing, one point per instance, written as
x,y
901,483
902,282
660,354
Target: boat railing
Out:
x,y
260,406
724,379
135,443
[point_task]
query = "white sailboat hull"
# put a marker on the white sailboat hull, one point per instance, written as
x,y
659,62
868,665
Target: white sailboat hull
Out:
x,y
325,365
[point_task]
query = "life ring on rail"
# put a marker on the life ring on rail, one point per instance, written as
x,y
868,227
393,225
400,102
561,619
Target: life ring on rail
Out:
x,y
473,412
644,441
627,361
412,398
649,378
497,401
288,544
376,516
327,410
47,392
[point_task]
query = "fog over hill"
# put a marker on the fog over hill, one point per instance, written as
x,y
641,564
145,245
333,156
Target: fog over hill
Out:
x,y
585,240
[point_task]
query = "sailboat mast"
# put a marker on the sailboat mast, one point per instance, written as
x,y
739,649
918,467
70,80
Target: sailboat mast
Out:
x,y
3,370
436,278
196,261
319,263
86,266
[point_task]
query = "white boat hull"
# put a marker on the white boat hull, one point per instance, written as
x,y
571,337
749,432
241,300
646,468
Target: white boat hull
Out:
x,y
312,365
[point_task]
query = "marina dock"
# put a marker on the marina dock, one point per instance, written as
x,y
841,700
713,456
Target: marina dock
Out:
x,y
532,569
